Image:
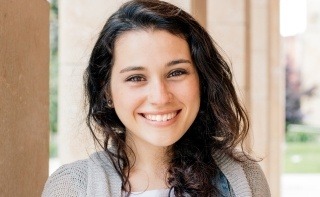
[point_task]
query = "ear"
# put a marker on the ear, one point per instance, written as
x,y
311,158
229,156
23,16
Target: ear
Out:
x,y
110,103
108,97
107,90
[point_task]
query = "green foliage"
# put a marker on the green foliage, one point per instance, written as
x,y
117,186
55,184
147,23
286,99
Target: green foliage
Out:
x,y
302,133
53,147
53,66
301,137
53,95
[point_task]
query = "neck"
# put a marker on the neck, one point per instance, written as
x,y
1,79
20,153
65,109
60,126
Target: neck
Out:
x,y
149,166
147,156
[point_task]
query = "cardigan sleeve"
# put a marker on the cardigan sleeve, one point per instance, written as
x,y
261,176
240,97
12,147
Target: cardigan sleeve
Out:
x,y
69,180
256,178
243,173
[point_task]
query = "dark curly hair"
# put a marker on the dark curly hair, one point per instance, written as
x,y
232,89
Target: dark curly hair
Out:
x,y
221,123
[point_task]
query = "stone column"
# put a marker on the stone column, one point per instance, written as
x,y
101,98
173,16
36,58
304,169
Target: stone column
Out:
x,y
199,11
248,31
267,87
24,97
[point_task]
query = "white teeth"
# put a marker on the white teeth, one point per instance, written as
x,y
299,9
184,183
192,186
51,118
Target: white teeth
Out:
x,y
153,117
165,117
160,118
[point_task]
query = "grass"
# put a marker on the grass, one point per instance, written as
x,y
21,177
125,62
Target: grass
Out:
x,y
302,157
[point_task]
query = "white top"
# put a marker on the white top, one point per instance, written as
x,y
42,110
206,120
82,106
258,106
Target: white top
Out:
x,y
151,193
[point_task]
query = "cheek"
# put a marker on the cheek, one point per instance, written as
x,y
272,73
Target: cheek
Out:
x,y
125,101
195,90
192,93
121,100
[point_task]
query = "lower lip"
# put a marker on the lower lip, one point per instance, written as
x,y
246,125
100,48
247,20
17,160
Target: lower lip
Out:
x,y
162,123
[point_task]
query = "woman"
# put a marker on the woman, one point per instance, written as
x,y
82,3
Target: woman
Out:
x,y
162,96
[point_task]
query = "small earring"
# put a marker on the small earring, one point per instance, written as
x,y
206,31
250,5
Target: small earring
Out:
x,y
110,103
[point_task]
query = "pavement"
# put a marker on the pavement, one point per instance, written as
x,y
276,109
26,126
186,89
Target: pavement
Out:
x,y
300,185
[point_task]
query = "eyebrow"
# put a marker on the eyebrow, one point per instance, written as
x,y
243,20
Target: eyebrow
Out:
x,y
171,63
132,68
178,61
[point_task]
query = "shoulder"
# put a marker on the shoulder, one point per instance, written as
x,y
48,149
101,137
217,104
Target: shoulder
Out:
x,y
255,176
68,180
94,176
244,174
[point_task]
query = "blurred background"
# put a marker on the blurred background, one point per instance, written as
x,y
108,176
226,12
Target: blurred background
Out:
x,y
299,29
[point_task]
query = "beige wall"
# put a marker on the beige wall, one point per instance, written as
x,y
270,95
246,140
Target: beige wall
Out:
x,y
80,22
24,66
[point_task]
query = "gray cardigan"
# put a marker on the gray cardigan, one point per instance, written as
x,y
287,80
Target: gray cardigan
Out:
x,y
96,176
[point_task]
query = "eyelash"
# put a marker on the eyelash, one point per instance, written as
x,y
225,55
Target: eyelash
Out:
x,y
177,73
135,78
139,78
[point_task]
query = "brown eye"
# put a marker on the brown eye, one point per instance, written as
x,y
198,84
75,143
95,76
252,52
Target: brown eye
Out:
x,y
177,73
135,78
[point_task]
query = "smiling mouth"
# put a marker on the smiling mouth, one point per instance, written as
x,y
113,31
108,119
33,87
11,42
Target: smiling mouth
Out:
x,y
161,117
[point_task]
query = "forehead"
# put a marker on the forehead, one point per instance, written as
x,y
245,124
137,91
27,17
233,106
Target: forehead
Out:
x,y
147,34
152,45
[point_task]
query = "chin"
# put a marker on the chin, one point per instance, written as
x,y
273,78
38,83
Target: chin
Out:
x,y
164,143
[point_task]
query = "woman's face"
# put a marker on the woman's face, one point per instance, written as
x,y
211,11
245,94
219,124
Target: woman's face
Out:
x,y
154,86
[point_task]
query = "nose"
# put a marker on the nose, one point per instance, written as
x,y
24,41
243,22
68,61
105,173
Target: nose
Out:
x,y
159,93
